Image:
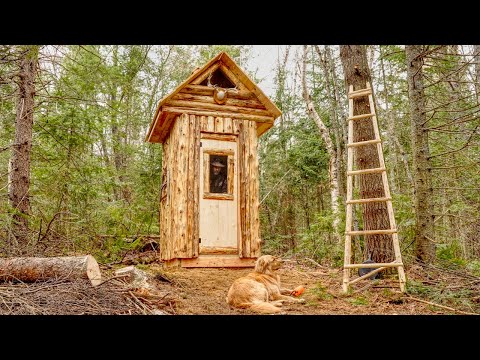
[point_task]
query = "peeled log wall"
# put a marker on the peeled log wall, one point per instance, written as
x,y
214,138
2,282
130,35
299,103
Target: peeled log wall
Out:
x,y
179,195
179,204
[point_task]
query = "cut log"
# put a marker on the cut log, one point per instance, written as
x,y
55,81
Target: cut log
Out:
x,y
30,269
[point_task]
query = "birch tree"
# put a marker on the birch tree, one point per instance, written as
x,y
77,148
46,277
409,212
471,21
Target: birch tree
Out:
x,y
327,139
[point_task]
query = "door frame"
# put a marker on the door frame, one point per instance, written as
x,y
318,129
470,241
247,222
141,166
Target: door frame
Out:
x,y
207,195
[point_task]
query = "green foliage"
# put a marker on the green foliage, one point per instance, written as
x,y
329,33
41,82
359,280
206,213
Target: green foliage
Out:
x,y
318,243
474,267
116,247
405,218
441,294
91,171
415,287
451,252
319,292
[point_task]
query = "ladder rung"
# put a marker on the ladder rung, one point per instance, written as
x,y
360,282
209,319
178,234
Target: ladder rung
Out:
x,y
372,265
358,93
366,142
371,232
363,201
361,116
366,171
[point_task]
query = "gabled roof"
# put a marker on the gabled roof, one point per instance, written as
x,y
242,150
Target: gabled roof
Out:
x,y
242,80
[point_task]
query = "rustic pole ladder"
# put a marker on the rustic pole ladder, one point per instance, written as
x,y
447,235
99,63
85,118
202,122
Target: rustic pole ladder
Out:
x,y
351,202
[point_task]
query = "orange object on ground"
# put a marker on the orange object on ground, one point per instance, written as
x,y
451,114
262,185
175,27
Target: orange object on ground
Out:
x,y
298,291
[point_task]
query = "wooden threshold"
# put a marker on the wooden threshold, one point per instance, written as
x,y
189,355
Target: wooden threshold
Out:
x,y
211,250
210,261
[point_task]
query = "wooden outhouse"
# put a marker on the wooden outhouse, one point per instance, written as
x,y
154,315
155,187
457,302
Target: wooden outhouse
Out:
x,y
209,204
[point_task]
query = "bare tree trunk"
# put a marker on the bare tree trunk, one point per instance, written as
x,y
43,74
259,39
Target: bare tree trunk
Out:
x,y
19,177
424,247
116,134
325,134
394,143
476,51
341,112
378,247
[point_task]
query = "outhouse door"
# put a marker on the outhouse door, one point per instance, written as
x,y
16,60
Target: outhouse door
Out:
x,y
218,197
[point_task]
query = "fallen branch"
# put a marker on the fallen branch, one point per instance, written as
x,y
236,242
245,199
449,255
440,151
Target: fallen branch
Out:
x,y
112,278
40,239
441,306
462,285
145,309
363,288
273,188
315,263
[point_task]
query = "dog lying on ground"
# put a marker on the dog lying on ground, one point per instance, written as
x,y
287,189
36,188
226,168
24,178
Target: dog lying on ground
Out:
x,y
260,290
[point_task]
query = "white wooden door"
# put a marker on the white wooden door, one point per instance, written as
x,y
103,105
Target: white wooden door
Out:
x,y
218,210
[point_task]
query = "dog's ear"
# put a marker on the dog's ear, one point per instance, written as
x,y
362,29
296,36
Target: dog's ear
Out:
x,y
261,264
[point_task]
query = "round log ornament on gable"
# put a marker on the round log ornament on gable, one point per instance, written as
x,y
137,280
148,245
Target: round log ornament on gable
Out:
x,y
220,95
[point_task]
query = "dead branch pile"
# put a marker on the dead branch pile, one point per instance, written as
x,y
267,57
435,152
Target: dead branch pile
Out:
x,y
63,297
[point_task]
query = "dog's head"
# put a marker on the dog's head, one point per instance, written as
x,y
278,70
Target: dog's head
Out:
x,y
267,263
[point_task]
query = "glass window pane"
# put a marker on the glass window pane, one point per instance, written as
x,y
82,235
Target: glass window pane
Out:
x,y
218,174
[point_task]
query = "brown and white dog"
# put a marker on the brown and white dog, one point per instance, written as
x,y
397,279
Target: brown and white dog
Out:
x,y
260,290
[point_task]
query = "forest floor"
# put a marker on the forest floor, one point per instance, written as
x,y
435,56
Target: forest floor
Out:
x,y
430,290
203,291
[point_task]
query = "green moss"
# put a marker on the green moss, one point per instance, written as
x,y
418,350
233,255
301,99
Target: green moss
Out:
x,y
358,301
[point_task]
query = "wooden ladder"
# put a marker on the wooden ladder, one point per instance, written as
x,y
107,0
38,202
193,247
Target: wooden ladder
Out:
x,y
351,202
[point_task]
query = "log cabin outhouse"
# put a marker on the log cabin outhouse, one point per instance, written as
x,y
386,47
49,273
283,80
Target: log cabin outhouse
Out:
x,y
209,204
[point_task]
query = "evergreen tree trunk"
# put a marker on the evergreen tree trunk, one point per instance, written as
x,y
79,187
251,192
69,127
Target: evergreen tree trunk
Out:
x,y
355,67
19,177
326,137
423,192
